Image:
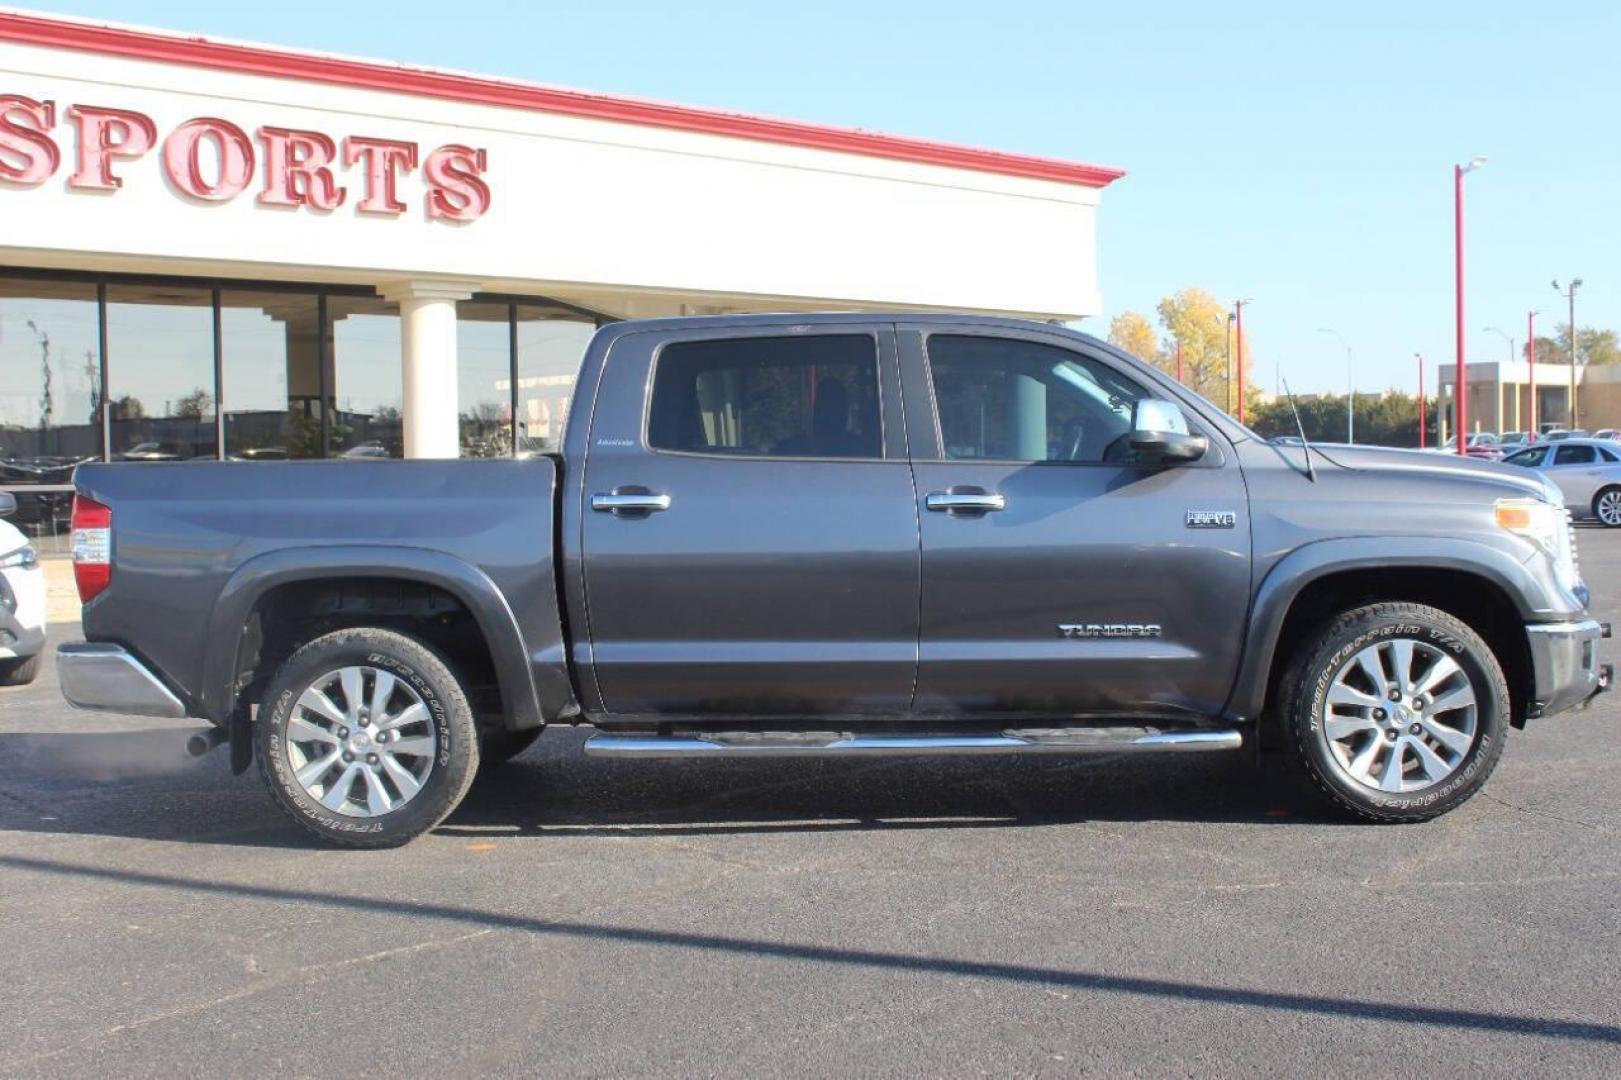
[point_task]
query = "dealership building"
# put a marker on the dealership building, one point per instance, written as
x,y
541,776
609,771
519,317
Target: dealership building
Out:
x,y
219,249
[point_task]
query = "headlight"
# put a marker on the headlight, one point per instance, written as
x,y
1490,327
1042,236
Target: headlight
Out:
x,y
1548,526
25,558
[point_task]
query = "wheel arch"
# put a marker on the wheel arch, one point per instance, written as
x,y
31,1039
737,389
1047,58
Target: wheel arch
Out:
x,y
1482,586
260,578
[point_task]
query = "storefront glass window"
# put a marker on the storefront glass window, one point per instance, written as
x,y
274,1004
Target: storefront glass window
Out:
x,y
160,372
364,337
484,379
551,344
271,391
50,380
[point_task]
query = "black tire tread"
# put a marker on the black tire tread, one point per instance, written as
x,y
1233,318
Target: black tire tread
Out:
x,y
434,667
1293,696
21,672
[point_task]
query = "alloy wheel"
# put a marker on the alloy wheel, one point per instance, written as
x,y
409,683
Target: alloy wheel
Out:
x,y
361,742
1608,507
1400,716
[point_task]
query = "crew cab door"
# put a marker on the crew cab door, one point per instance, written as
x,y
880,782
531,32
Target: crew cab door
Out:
x,y
1061,579
750,535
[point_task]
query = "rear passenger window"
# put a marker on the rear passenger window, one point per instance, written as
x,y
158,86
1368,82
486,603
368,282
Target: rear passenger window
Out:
x,y
813,396
1573,455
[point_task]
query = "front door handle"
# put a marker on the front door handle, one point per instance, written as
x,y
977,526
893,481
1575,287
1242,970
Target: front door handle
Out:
x,y
640,503
972,503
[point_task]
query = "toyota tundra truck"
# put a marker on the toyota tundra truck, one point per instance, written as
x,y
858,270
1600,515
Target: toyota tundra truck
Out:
x,y
839,535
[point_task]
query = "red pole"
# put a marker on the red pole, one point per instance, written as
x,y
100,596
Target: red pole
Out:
x,y
1179,361
1420,401
1240,306
1460,388
1531,345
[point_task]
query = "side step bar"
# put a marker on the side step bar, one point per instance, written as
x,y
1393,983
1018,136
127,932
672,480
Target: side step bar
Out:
x,y
834,744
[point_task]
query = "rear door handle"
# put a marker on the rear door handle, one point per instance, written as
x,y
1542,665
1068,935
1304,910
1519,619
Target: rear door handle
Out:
x,y
975,503
614,503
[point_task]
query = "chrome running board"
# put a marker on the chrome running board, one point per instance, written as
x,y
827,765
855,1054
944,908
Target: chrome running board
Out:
x,y
834,744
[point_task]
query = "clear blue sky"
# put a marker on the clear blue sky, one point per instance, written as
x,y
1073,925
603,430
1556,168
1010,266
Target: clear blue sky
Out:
x,y
1299,154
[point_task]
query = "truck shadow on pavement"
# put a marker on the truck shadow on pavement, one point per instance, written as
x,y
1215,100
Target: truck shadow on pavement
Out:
x,y
1320,1005
140,784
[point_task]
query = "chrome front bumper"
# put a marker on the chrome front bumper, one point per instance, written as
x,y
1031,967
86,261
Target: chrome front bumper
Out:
x,y
1565,663
107,678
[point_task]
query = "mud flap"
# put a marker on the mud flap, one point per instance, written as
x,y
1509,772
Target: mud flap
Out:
x,y
241,731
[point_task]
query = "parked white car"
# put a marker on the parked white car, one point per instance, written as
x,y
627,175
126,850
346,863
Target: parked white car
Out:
x,y
22,602
1588,471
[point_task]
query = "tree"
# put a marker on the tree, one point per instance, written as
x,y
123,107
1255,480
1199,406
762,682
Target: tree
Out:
x,y
1389,419
1132,332
195,405
1199,322
1597,347
127,408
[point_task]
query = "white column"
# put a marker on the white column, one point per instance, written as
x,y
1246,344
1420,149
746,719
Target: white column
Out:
x,y
428,363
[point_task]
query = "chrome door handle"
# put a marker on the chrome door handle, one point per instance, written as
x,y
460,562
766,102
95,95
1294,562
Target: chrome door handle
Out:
x,y
633,504
977,503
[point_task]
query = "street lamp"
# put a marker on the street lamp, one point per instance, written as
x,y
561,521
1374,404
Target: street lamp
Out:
x,y
1238,309
1420,358
1570,297
1500,410
1461,388
1531,376
1228,394
1350,389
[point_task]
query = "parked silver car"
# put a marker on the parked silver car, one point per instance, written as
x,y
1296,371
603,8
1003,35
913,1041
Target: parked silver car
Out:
x,y
1588,471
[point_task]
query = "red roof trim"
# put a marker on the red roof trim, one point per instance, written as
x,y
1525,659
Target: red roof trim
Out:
x,y
256,60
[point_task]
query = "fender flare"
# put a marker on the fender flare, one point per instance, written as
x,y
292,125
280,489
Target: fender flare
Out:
x,y
256,577
1313,562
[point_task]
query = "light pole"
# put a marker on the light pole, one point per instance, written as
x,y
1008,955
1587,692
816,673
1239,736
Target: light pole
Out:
x,y
1500,409
1570,297
1531,376
1350,387
1460,383
1420,358
1238,316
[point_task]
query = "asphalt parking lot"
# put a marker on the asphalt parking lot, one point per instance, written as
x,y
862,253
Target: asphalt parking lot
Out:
x,y
159,917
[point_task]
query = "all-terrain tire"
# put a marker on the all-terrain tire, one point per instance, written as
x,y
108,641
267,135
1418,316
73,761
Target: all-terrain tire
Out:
x,y
1305,690
19,672
449,725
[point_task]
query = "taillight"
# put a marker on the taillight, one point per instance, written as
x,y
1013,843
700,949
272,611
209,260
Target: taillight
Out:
x,y
92,547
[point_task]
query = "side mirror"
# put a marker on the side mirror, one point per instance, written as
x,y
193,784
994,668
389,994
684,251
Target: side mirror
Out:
x,y
1159,432
8,503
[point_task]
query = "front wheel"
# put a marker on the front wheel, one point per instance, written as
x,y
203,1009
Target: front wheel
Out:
x,y
1607,507
1399,712
366,738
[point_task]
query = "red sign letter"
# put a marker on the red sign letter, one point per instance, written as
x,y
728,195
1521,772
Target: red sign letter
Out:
x,y
455,190
105,134
28,156
383,158
298,170
182,160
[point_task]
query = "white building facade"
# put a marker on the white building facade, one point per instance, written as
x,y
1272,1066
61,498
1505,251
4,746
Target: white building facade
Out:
x,y
216,249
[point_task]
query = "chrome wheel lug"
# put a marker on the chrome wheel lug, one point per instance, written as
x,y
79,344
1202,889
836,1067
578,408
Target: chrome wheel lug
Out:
x,y
372,759
1378,714
1395,695
343,733
1414,730
347,756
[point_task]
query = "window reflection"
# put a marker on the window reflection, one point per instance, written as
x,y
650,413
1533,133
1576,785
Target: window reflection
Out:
x,y
272,375
160,393
50,380
484,379
551,345
364,335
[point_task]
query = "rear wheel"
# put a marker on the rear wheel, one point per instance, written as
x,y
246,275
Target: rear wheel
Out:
x,y
366,738
1607,507
19,672
1399,712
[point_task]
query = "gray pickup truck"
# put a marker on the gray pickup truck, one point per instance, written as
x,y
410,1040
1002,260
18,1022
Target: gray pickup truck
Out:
x,y
839,535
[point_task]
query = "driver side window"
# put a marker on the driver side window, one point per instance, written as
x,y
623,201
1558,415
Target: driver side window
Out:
x,y
1001,399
